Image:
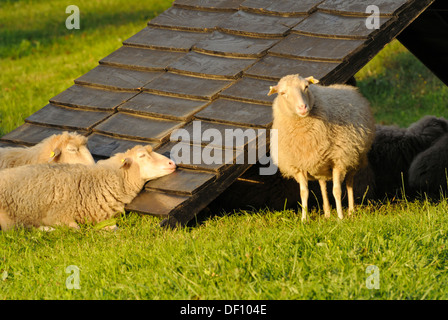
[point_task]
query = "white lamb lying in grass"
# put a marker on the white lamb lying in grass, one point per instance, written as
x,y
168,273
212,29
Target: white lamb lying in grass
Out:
x,y
68,194
324,133
58,148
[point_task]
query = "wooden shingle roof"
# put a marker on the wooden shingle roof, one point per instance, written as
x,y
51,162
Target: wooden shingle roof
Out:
x,y
212,61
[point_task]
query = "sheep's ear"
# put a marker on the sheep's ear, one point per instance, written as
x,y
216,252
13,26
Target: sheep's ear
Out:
x,y
148,148
126,163
312,80
273,89
54,154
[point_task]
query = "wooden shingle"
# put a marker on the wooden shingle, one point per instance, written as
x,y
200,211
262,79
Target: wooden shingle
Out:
x,y
159,204
284,8
237,112
273,67
225,44
137,127
358,8
215,5
162,106
165,39
141,58
315,48
91,98
336,26
250,90
67,118
253,24
186,86
182,181
117,78
189,20
209,66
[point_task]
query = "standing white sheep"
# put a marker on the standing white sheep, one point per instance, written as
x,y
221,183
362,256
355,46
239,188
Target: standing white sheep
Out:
x,y
68,194
324,133
58,148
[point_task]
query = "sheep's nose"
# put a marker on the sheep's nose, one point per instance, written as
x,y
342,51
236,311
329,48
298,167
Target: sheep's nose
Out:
x,y
171,164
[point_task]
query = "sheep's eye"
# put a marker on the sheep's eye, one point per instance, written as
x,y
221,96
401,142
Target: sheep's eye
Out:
x,y
142,155
72,150
306,87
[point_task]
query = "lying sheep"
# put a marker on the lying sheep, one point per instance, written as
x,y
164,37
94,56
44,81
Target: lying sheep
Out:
x,y
428,171
324,133
394,149
68,194
58,148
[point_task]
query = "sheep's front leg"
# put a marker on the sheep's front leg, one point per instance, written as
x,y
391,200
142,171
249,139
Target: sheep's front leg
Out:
x,y
351,198
6,222
323,190
338,177
302,179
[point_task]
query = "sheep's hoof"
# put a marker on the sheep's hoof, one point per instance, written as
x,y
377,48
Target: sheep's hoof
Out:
x,y
46,228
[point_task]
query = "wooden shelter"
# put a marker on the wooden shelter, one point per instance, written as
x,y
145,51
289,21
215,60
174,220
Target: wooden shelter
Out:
x,y
214,61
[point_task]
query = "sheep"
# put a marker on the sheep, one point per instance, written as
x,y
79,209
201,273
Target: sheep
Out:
x,y
324,133
58,148
428,171
68,194
394,149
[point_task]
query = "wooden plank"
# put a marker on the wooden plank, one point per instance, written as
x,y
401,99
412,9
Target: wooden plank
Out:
x,y
285,8
210,66
117,78
91,98
141,58
189,20
234,45
182,181
156,203
237,112
337,26
358,8
165,39
105,146
137,127
250,90
252,24
186,86
67,118
230,136
30,134
273,68
163,106
315,48
215,5
197,157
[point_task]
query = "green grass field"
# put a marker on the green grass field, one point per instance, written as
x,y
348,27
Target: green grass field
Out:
x,y
238,255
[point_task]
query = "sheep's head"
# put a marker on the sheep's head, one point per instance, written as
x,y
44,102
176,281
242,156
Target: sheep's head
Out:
x,y
294,93
69,148
152,164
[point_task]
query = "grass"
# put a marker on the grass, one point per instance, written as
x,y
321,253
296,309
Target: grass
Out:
x,y
239,255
